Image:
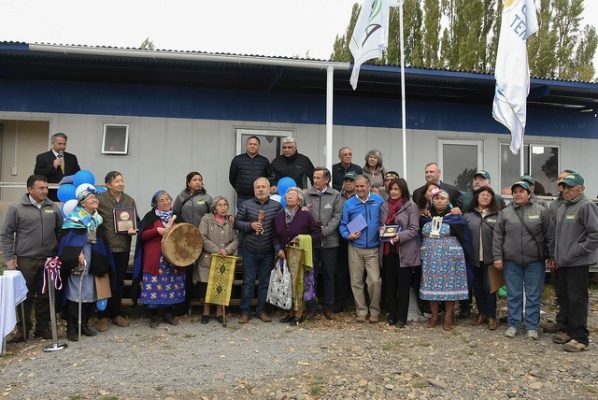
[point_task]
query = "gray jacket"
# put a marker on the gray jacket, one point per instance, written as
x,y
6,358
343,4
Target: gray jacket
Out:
x,y
215,236
29,231
193,210
486,226
513,242
576,233
409,246
327,210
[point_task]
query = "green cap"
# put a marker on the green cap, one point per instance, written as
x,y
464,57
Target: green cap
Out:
x,y
483,174
522,184
350,175
528,178
573,179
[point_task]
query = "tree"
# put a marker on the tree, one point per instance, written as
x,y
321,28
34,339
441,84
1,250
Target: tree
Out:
x,y
463,35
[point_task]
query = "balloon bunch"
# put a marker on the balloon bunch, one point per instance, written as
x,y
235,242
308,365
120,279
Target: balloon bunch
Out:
x,y
67,193
283,185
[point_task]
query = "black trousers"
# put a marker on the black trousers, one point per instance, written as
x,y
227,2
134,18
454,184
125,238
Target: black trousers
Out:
x,y
397,284
573,283
342,287
114,309
33,272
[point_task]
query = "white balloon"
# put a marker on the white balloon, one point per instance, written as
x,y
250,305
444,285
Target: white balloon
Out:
x,y
69,206
276,198
82,187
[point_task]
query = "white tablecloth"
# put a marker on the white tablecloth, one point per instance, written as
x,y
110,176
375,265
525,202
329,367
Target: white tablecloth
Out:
x,y
13,292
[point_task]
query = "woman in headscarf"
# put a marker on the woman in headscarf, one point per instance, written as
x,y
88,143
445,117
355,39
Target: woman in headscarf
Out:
x,y
162,284
289,223
85,255
401,254
190,206
374,170
219,236
481,218
443,251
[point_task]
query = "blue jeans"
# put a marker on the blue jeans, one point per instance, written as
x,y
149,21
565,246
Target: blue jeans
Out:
x,y
531,278
260,266
325,262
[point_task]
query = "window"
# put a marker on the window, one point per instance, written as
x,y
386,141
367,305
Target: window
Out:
x,y
115,139
540,161
270,141
459,160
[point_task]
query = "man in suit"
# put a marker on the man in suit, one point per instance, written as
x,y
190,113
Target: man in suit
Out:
x,y
56,163
432,174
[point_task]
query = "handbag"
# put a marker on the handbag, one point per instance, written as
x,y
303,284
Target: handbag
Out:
x,y
280,288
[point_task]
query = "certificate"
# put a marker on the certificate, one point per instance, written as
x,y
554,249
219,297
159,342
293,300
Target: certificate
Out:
x,y
357,224
124,219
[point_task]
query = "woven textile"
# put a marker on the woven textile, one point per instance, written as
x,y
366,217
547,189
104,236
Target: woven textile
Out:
x,y
220,280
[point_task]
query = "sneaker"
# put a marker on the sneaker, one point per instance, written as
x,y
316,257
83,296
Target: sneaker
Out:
x,y
561,338
532,334
573,346
360,318
121,321
103,325
243,318
264,317
511,332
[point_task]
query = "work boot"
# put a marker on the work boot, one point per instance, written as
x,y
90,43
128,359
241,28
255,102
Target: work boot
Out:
x,y
72,332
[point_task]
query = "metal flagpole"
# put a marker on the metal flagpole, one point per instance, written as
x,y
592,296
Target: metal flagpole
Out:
x,y
403,116
54,346
522,158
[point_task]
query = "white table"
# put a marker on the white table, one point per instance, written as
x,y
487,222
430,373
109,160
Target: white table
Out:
x,y
13,291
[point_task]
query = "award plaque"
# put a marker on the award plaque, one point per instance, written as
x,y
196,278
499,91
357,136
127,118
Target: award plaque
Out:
x,y
387,232
124,219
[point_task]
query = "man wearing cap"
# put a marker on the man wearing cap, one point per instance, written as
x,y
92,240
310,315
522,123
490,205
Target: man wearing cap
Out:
x,y
345,155
342,288
432,174
30,235
480,179
532,186
326,206
576,247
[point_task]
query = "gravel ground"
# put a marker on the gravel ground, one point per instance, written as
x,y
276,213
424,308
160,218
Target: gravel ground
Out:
x,y
321,359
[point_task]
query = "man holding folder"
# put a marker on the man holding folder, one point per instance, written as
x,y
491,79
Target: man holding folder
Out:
x,y
359,225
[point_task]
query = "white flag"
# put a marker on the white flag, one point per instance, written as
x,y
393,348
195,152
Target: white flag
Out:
x,y
370,35
519,22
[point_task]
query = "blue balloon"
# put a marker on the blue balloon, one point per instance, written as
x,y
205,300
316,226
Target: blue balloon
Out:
x,y
67,192
101,304
83,176
284,184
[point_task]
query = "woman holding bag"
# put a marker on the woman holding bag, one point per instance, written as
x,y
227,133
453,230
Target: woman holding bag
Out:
x,y
289,223
401,253
219,236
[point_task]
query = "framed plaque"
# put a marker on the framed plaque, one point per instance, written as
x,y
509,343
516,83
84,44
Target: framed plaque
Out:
x,y
387,232
124,219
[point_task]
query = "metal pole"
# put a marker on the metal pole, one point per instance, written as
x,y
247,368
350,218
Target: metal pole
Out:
x,y
403,111
54,346
329,114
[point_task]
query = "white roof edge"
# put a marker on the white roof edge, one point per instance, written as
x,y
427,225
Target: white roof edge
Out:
x,y
190,56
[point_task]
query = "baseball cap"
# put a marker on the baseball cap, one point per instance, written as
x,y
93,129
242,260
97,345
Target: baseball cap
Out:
x,y
350,175
573,179
483,174
528,178
522,184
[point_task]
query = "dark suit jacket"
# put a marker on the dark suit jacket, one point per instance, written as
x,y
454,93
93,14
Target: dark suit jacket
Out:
x,y
44,166
455,195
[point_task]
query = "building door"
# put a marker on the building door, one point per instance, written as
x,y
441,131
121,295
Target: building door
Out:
x,y
459,160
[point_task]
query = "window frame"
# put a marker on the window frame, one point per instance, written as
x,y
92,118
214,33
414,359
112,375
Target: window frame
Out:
x,y
124,151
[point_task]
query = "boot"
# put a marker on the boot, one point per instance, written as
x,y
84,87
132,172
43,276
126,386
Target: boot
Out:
x,y
85,328
71,331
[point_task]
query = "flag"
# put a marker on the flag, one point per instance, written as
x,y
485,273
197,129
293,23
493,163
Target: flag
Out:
x,y
370,35
519,22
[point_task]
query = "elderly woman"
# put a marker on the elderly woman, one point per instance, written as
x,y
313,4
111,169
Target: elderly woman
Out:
x,y
444,274
190,206
84,254
523,240
400,253
289,223
374,170
163,284
481,219
219,236
112,200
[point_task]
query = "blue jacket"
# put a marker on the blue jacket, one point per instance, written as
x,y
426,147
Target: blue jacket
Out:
x,y
370,209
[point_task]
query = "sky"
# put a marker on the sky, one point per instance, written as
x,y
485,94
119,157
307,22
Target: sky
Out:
x,y
265,27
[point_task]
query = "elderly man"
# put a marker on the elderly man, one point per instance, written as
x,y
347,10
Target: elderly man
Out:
x,y
576,247
326,206
245,168
480,179
30,235
345,155
432,174
359,225
56,163
292,164
255,219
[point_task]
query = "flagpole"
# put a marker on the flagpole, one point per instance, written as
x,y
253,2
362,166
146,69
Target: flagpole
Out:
x,y
403,115
522,159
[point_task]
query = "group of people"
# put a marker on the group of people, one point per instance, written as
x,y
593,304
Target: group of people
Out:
x,y
360,231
